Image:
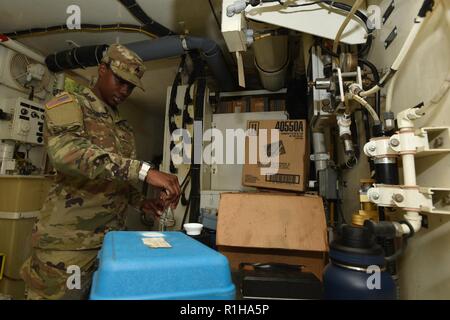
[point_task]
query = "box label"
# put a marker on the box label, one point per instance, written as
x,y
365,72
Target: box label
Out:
x,y
284,178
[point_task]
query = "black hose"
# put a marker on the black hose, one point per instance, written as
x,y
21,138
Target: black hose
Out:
x,y
149,24
75,58
372,67
176,45
83,27
364,50
195,175
165,47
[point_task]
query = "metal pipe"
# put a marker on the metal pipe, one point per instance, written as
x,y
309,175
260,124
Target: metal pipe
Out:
x,y
320,151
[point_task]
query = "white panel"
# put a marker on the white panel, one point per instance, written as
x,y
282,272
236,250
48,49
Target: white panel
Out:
x,y
424,268
318,20
27,124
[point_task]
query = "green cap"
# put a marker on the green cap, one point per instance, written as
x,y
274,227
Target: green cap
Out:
x,y
125,63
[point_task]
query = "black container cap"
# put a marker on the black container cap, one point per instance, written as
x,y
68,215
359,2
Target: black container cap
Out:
x,y
357,241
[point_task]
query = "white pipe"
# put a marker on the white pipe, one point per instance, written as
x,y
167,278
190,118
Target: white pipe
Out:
x,y
390,93
409,180
408,43
409,170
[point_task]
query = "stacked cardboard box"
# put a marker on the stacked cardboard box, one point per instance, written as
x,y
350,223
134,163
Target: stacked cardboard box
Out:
x,y
277,105
250,104
293,157
273,228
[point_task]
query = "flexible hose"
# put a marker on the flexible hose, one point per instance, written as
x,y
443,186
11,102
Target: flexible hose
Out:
x,y
345,24
368,107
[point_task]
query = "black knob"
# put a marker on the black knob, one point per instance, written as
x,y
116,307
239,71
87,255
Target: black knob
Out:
x,y
39,139
24,111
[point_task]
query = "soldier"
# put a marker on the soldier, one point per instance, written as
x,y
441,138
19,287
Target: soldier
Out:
x,y
93,151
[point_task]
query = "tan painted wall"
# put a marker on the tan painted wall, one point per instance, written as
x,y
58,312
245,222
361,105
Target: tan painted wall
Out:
x,y
425,268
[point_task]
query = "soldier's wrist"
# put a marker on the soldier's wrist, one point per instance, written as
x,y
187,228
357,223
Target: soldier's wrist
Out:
x,y
145,168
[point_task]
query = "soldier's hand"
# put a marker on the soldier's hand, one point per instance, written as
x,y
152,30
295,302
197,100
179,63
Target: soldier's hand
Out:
x,y
153,207
169,183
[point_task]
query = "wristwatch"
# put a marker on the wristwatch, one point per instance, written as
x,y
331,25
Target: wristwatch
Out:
x,y
145,168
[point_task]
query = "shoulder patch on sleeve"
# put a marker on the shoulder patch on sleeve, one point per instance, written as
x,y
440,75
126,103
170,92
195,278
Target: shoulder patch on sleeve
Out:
x,y
59,100
70,115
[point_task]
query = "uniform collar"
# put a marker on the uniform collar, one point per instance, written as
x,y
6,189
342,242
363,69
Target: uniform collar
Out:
x,y
99,106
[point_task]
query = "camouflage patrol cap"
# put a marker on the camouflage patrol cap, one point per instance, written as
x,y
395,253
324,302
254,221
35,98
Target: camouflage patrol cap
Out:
x,y
125,64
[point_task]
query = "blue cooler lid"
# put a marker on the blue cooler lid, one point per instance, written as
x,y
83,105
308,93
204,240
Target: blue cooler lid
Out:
x,y
129,269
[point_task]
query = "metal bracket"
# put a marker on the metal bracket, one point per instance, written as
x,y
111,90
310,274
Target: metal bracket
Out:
x,y
427,141
431,200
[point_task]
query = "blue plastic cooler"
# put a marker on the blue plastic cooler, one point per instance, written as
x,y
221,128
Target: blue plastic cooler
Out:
x,y
188,270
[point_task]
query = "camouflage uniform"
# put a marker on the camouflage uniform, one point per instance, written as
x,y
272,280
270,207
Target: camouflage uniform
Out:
x,y
93,151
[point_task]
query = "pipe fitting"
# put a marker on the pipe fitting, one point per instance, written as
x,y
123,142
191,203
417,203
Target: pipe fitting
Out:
x,y
355,89
344,122
236,8
407,117
415,219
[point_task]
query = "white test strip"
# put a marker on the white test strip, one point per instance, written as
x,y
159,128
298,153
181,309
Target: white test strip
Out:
x,y
156,243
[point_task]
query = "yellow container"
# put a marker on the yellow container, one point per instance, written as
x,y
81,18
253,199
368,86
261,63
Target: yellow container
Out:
x,y
13,288
15,242
23,193
21,198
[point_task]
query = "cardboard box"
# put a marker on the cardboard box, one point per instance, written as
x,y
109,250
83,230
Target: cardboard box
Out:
x,y
225,107
293,156
239,105
273,228
277,105
259,104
